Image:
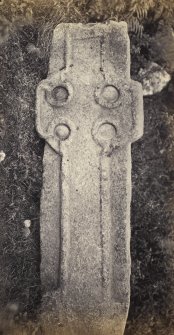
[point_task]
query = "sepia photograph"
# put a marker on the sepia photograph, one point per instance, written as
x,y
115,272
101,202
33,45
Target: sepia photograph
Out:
x,y
86,167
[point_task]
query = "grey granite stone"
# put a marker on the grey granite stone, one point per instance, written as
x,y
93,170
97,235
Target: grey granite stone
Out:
x,y
89,112
153,78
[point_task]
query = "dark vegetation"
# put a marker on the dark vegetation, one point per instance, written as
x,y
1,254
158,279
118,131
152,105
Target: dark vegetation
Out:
x,y
25,33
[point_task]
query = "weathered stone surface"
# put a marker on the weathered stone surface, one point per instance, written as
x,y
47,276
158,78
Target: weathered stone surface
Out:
x,y
89,112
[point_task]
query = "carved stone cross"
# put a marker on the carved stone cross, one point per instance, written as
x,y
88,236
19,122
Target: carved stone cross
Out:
x,y
89,112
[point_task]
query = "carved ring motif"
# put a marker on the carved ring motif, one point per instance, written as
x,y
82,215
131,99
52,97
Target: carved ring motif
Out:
x,y
62,131
105,134
107,95
59,95
106,131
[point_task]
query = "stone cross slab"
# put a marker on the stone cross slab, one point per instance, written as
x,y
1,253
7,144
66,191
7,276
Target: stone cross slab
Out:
x,y
89,112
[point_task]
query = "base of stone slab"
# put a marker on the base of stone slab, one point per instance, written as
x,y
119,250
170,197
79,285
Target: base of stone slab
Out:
x,y
105,319
77,326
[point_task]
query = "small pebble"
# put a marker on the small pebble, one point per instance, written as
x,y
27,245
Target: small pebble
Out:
x,y
27,223
2,156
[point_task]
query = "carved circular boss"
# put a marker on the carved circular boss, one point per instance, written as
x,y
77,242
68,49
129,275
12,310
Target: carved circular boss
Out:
x,y
107,95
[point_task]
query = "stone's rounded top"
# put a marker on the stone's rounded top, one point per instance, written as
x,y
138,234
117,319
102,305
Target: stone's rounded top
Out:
x,y
107,131
62,131
110,93
60,94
